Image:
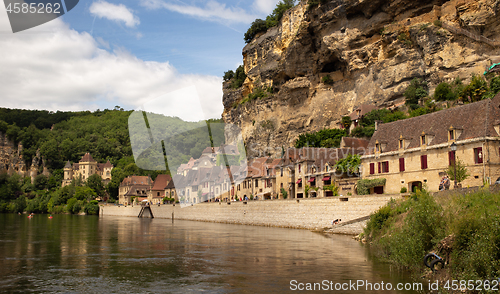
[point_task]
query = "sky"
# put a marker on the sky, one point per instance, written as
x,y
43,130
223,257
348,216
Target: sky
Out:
x,y
128,53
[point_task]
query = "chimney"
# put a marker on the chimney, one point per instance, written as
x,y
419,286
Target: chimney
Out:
x,y
377,122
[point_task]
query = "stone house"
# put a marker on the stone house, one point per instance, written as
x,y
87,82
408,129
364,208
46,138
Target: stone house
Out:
x,y
158,189
134,187
415,152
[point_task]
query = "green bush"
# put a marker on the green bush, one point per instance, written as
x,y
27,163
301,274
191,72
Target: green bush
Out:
x,y
476,90
361,132
495,85
284,193
239,77
260,26
327,80
444,92
364,186
403,190
91,208
228,75
416,90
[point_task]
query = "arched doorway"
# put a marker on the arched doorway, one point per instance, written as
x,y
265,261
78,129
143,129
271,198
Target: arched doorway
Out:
x,y
415,185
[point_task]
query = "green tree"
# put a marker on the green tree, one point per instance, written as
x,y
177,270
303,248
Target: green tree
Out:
x,y
228,75
84,193
444,92
239,77
94,182
40,182
495,85
346,122
416,90
257,26
462,172
476,90
349,164
274,18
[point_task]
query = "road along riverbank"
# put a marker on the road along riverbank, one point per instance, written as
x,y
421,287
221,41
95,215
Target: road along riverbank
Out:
x,y
311,214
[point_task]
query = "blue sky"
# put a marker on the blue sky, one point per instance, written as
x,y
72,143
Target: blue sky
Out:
x,y
127,53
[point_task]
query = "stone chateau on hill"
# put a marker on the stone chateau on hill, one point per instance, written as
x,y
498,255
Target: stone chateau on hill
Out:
x,y
85,168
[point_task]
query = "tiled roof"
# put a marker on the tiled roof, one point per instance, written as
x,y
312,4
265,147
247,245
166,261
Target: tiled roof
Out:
x,y
475,120
349,142
87,158
133,190
108,165
136,180
161,182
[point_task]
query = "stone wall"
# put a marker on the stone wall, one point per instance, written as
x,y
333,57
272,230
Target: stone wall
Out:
x,y
301,214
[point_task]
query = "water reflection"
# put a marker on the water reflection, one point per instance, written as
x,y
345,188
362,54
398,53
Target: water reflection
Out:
x,y
88,254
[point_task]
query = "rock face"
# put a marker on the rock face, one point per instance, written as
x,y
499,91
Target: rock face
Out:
x,y
371,50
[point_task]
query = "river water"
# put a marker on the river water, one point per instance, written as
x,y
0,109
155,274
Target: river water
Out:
x,y
129,255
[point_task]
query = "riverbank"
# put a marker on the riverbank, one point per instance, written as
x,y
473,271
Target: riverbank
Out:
x,y
462,227
312,214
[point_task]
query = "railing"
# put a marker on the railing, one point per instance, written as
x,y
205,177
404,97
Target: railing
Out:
x,y
479,38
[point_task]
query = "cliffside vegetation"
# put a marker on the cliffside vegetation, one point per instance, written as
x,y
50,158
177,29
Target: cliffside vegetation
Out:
x,y
272,20
463,229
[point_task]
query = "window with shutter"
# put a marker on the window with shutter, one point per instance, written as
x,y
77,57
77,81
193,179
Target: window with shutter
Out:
x,y
423,161
379,168
401,164
372,168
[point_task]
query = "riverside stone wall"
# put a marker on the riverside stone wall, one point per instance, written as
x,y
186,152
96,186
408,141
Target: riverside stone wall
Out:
x,y
303,214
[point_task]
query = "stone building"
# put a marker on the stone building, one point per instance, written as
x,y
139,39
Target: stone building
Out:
x,y
86,167
134,187
415,152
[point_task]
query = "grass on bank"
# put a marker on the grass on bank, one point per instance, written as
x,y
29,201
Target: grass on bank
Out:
x,y
403,232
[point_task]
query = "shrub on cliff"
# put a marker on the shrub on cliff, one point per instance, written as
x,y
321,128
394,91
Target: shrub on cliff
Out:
x,y
272,20
416,90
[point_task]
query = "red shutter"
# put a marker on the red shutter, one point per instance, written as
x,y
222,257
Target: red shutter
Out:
x,y
379,168
451,157
423,161
387,166
372,168
401,164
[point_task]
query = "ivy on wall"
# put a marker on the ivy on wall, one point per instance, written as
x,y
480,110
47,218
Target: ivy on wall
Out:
x,y
365,185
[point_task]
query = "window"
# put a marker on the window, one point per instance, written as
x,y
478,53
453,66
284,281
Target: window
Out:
x,y
372,168
451,134
326,168
423,161
238,187
401,164
377,147
267,171
401,144
281,172
385,166
300,167
157,193
422,140
478,155
281,185
451,157
256,183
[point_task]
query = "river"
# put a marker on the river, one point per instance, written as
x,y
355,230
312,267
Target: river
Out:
x,y
130,255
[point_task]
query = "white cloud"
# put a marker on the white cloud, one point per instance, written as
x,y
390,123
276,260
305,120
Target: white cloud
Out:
x,y
213,11
56,68
119,13
265,6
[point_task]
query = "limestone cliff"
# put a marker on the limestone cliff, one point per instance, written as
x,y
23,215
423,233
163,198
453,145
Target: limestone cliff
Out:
x,y
371,49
